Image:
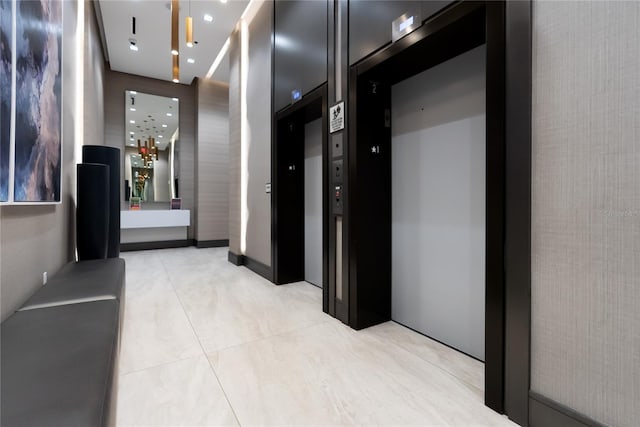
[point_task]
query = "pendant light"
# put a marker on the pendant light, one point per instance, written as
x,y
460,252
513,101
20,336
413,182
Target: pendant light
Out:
x,y
175,22
189,26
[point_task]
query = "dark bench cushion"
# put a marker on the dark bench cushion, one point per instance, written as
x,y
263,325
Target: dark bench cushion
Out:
x,y
80,282
59,365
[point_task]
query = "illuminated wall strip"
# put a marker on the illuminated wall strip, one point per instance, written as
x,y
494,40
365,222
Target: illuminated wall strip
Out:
x,y
79,93
244,134
218,60
248,14
12,120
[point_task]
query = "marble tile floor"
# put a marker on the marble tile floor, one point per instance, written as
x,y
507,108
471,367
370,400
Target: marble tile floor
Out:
x,y
208,343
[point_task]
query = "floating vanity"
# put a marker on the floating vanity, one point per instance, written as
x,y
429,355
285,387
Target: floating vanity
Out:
x,y
154,225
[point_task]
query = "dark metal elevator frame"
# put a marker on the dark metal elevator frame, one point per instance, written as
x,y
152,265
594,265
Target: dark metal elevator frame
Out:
x,y
287,207
505,27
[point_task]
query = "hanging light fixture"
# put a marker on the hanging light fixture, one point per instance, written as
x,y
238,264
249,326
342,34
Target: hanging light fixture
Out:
x,y
189,26
175,23
176,69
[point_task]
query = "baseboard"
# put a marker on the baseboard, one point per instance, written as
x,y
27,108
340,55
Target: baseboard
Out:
x,y
253,265
212,243
544,412
258,268
235,259
165,244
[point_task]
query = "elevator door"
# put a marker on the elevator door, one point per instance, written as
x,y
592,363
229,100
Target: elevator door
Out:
x,y
313,202
438,202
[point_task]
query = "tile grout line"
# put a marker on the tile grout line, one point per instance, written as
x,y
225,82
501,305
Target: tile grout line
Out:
x,y
224,393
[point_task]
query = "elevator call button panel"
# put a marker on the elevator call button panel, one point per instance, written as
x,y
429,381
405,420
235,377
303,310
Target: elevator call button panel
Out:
x,y
337,199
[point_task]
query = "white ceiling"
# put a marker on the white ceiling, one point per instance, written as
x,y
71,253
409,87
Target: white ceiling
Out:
x,y
153,36
149,117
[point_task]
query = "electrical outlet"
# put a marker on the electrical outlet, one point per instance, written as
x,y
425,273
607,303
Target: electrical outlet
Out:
x,y
44,278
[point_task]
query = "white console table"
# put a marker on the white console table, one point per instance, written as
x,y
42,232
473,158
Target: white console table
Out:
x,y
154,225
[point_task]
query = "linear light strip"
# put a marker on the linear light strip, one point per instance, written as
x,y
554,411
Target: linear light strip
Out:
x,y
79,89
12,119
244,133
218,60
248,13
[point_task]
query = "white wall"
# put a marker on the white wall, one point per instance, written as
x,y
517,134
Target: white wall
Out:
x,y
438,202
585,284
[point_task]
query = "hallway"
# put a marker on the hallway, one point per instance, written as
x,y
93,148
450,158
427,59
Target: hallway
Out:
x,y
209,343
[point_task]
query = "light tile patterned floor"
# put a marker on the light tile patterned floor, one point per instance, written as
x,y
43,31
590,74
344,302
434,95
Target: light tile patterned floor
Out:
x,y
209,343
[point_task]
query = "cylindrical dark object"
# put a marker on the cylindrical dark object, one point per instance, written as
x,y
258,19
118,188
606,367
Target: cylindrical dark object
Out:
x,y
109,156
92,212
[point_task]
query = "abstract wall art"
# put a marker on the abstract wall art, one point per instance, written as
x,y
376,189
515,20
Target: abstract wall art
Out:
x,y
38,100
6,72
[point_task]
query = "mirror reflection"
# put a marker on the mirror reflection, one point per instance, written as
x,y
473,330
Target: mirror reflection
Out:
x,y
151,147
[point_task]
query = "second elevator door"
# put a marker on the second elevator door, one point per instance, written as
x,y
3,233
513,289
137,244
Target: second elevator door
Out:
x,y
438,202
313,202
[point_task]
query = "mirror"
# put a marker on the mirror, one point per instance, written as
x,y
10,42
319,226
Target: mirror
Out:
x,y
151,147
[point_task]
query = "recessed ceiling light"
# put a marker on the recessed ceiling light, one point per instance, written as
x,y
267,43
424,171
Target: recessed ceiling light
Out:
x,y
191,60
132,121
164,126
133,47
174,99
208,18
169,114
131,133
132,109
159,136
133,92
223,1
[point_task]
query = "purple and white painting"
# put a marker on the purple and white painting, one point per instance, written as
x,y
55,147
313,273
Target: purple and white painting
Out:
x,y
38,101
6,42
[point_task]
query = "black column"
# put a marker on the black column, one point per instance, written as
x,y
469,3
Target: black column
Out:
x,y
92,213
109,156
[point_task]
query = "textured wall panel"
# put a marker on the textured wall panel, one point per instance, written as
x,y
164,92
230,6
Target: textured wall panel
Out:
x,y
212,157
586,208
259,135
234,143
42,238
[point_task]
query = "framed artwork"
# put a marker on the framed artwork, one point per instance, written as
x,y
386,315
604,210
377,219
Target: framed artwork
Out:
x,y
38,101
6,89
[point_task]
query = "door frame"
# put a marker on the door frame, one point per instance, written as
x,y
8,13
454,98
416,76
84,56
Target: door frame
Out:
x,y
312,106
506,29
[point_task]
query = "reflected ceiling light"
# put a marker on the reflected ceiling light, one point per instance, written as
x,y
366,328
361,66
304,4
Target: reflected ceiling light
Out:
x,y
169,114
223,1
175,18
191,60
164,126
131,133
159,136
207,18
132,109
132,121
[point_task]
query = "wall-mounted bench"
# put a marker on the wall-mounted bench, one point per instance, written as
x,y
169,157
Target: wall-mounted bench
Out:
x,y
59,351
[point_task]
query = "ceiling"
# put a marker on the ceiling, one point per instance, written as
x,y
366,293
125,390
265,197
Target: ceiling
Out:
x,y
150,117
153,36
